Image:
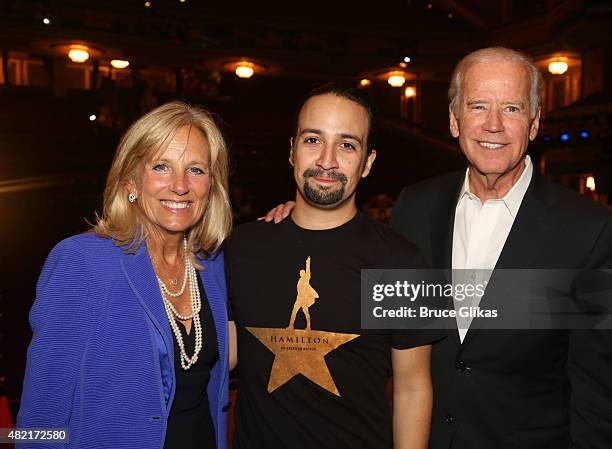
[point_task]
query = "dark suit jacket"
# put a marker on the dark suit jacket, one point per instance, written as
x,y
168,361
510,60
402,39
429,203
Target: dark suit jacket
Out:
x,y
544,389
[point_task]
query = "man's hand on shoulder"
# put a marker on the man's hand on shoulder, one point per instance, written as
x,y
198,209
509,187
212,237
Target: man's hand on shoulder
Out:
x,y
279,213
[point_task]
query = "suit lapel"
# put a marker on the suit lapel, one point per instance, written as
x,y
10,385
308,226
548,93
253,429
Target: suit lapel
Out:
x,y
531,229
442,233
529,234
140,275
442,226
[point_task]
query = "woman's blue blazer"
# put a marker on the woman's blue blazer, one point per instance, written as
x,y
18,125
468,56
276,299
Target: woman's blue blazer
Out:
x,y
101,360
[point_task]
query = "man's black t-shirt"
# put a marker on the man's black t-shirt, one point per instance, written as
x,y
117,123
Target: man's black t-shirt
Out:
x,y
322,387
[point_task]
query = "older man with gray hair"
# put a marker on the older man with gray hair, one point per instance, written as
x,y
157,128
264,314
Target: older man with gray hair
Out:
x,y
529,389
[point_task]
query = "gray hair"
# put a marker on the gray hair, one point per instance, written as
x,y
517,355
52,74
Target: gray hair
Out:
x,y
496,54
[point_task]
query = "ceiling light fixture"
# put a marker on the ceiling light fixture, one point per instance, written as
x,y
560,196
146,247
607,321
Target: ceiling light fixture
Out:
x,y
396,79
558,67
119,63
244,69
590,183
78,54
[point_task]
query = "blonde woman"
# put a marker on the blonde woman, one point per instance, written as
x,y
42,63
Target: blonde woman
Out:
x,y
130,340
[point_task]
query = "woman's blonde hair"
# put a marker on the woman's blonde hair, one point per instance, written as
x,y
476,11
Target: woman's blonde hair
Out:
x,y
122,221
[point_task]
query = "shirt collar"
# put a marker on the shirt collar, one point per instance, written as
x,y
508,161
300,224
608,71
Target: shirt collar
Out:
x,y
514,197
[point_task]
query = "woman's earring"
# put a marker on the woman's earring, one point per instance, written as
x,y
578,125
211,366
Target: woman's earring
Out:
x,y
132,197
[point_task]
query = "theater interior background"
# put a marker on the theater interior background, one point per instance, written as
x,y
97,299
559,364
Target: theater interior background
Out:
x,y
74,74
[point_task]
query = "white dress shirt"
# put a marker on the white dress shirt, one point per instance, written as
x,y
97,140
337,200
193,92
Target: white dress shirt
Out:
x,y
479,234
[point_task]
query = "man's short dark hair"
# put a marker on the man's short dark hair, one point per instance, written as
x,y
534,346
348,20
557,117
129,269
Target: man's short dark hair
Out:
x,y
348,92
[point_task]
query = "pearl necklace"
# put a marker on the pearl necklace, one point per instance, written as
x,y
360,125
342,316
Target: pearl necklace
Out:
x,y
196,305
182,290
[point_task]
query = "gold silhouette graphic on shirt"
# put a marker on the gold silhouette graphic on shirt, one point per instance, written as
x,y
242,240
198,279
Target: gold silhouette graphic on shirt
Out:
x,y
306,296
301,351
